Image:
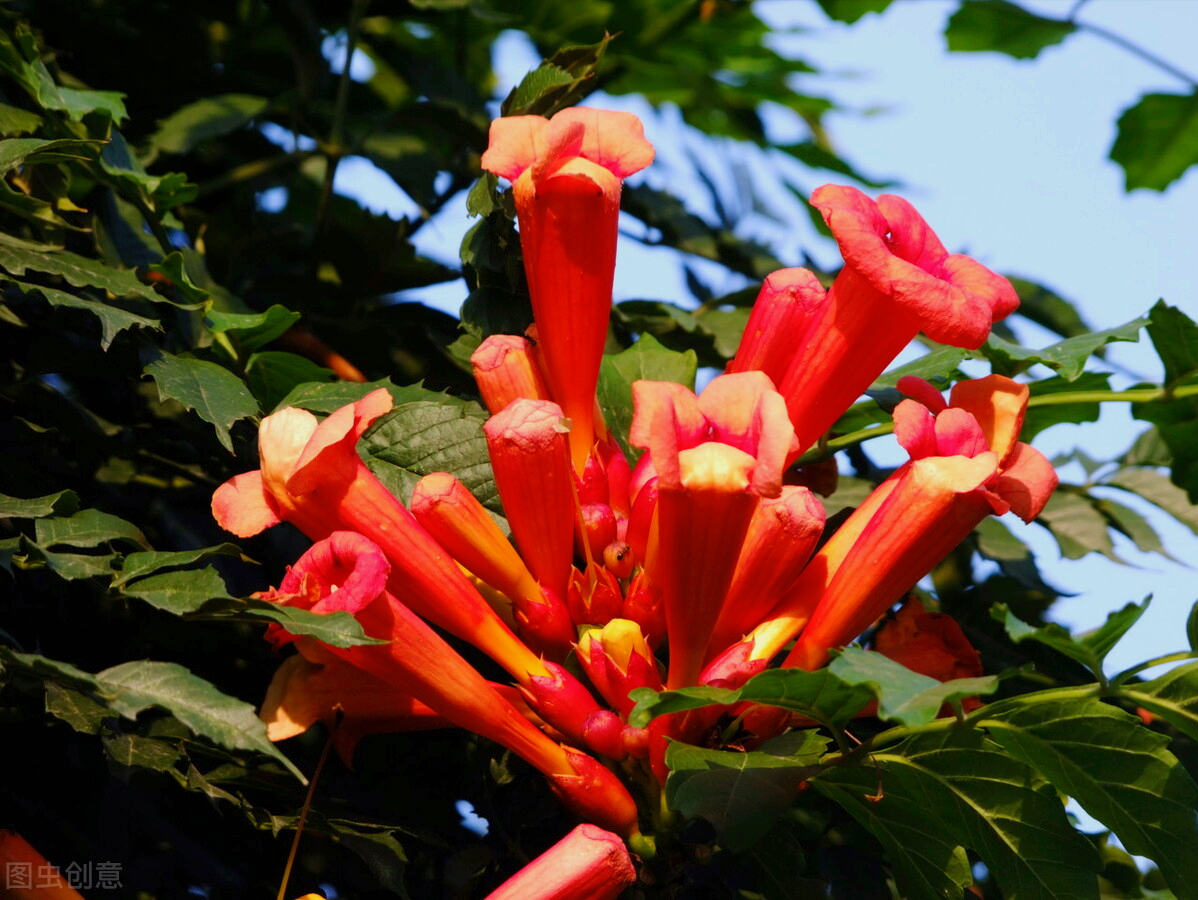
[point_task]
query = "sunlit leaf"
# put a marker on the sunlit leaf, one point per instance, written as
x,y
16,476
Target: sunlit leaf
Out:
x,y
204,119
1003,27
215,394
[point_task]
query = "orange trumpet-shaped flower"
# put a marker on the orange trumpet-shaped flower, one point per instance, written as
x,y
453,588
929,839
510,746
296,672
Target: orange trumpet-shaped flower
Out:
x,y
346,571
460,524
587,864
312,477
781,538
785,307
566,176
27,874
303,693
966,464
897,280
505,370
929,643
716,456
531,462
617,659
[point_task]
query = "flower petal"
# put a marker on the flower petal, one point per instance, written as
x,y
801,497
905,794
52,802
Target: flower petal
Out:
x,y
514,145
998,404
1026,482
242,506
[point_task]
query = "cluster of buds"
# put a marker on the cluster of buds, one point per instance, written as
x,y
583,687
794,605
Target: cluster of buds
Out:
x,y
697,552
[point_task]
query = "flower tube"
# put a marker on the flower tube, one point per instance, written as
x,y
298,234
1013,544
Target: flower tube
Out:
x,y
347,572
566,176
312,476
505,370
716,456
897,281
587,864
786,306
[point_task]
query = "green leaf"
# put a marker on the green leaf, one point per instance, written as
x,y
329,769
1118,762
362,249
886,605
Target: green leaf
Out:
x,y
1119,771
113,319
86,528
741,794
78,271
939,363
253,330
20,57
557,82
215,394
1078,527
956,787
139,565
1173,696
61,504
1134,526
204,119
1047,308
1159,491
890,805
851,10
1067,357
75,708
75,566
906,697
16,152
1044,413
327,398
527,97
164,191
15,121
179,592
46,670
996,542
144,752
1089,649
1157,140
646,359
274,374
1192,627
231,723
818,695
1175,337
417,439
997,25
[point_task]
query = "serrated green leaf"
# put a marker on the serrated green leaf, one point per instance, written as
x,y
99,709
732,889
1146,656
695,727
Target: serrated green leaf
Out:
x,y
20,58
417,439
86,528
1120,772
891,807
113,319
646,359
274,374
741,794
1157,140
996,542
76,566
980,25
253,330
940,363
1048,404
1067,357
179,592
482,198
215,394
819,695
64,503
1159,491
1134,526
1173,696
204,119
139,565
75,708
164,191
906,697
528,96
46,670
231,723
79,271
1175,337
327,398
970,793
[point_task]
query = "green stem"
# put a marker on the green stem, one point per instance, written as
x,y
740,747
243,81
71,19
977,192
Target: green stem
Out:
x,y
1137,50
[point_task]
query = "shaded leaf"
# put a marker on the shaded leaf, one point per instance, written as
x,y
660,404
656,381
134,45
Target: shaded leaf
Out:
x,y
1157,140
904,696
178,592
144,752
86,528
139,565
1077,526
1089,649
337,629
273,374
113,319
61,504
75,708
253,330
741,794
229,722
215,394
1120,772
1175,337
851,10
1067,357
205,119
16,152
79,271
1003,27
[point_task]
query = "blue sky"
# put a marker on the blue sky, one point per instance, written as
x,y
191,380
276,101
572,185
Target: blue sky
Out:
x,y
1007,160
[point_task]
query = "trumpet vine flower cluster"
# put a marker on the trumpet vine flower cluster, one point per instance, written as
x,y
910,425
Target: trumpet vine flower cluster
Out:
x,y
696,563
